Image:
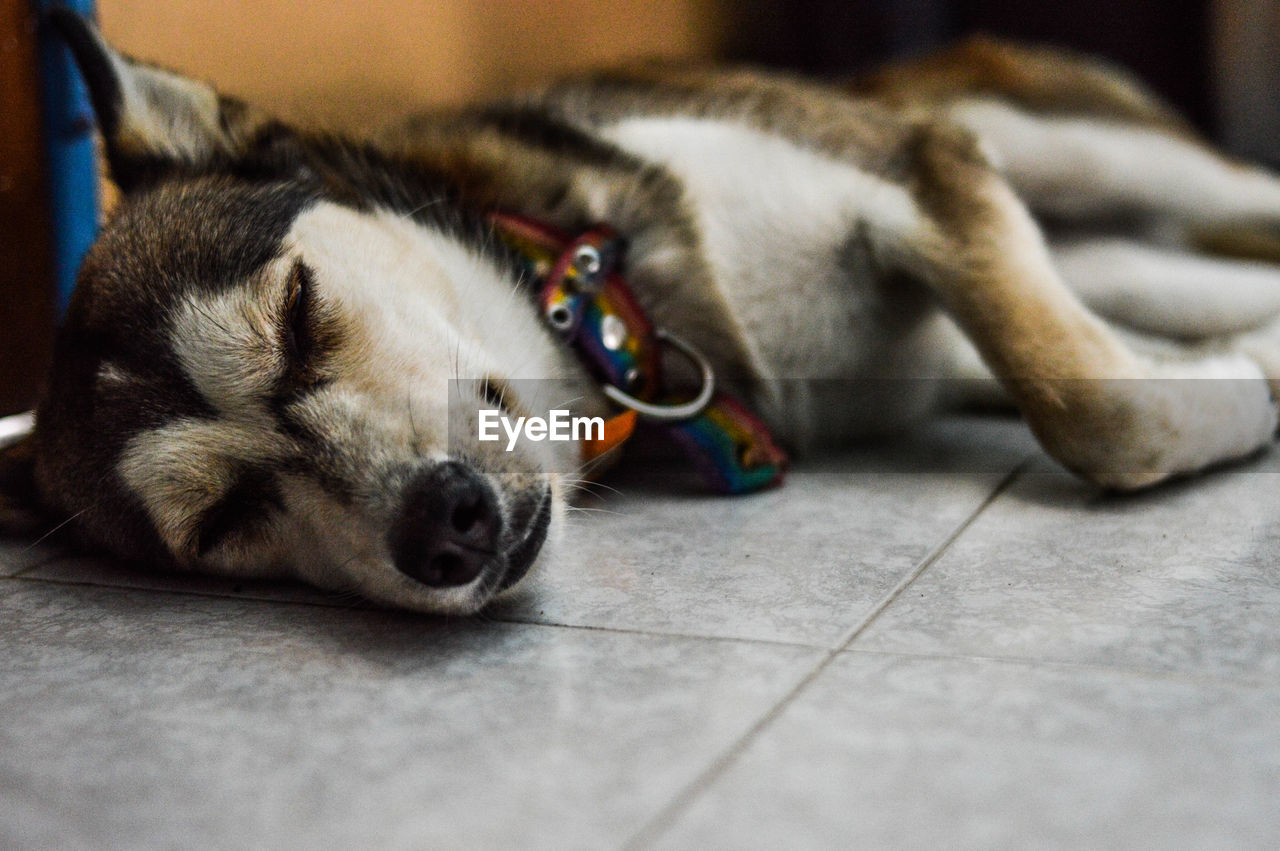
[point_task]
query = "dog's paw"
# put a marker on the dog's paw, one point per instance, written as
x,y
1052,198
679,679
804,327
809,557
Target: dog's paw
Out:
x,y
1179,418
1262,346
1193,415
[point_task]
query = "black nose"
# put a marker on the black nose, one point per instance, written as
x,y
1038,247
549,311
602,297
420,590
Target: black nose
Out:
x,y
448,528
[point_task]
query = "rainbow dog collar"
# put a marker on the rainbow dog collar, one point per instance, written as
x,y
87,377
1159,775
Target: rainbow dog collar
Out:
x,y
587,303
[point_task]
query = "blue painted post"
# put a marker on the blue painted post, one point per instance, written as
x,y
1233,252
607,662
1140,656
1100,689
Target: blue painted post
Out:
x,y
68,133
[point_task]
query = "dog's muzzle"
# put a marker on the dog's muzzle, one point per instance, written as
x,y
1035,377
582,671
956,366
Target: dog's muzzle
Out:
x,y
450,530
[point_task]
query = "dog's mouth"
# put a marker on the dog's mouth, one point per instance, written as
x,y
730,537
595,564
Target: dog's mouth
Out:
x,y
522,556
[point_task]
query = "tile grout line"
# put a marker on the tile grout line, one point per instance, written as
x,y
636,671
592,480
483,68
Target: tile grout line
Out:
x,y
932,557
355,607
686,636
184,592
666,816
1067,665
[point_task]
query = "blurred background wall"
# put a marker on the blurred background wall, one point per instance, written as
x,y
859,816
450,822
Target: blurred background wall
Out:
x,y
26,262
346,62
353,64
1246,76
350,63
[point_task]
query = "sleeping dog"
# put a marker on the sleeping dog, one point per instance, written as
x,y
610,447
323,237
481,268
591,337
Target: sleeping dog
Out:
x,y
255,373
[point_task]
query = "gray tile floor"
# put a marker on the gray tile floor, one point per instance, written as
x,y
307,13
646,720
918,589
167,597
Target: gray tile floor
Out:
x,y
941,642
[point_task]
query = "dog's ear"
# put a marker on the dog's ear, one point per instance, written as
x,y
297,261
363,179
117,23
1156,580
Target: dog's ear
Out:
x,y
20,509
153,121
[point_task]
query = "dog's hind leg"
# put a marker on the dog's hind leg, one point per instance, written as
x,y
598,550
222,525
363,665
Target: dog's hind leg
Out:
x,y
1180,304
1117,416
1169,292
1083,168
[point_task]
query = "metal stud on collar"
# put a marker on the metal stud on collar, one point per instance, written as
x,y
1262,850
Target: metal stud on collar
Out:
x,y
587,260
560,318
613,332
587,267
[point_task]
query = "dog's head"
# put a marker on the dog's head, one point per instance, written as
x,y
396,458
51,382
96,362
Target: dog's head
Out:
x,y
255,371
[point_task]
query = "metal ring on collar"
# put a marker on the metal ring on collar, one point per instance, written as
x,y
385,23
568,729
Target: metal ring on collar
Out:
x,y
672,413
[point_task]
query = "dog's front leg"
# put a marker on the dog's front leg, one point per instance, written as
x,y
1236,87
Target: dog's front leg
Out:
x,y
1117,417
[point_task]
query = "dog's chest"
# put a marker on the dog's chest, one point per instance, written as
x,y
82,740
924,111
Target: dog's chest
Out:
x,y
783,230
